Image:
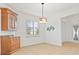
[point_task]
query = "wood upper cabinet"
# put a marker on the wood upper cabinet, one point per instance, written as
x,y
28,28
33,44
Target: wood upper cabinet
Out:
x,y
12,20
4,19
8,19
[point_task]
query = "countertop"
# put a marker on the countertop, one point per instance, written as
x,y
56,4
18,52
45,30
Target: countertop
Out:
x,y
7,33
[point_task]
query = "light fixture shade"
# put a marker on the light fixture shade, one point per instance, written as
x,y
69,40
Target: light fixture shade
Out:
x,y
42,20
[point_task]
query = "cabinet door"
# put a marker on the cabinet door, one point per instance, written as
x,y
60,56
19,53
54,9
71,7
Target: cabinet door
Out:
x,y
5,45
0,19
13,42
4,19
17,42
0,45
11,22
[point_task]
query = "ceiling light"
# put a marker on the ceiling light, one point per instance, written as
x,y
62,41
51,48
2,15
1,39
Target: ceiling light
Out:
x,y
42,19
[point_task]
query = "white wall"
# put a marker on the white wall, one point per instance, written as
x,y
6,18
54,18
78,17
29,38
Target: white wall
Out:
x,y
54,37
21,31
67,32
45,36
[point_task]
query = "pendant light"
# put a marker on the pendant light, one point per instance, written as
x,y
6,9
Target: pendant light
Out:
x,y
42,19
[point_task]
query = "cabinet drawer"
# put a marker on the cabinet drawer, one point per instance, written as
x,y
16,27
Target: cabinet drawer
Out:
x,y
13,48
13,42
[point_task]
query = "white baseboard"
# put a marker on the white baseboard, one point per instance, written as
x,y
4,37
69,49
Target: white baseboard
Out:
x,y
31,44
52,43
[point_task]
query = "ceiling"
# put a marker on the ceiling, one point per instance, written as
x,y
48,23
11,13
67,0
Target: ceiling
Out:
x,y
49,8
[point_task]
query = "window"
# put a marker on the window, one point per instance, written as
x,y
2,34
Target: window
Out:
x,y
32,28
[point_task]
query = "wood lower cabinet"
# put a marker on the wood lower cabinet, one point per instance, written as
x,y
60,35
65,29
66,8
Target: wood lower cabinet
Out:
x,y
9,44
0,45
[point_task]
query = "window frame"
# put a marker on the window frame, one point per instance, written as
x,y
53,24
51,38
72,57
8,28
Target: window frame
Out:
x,y
32,28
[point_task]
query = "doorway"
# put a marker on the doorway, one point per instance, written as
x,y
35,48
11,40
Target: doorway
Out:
x,y
70,28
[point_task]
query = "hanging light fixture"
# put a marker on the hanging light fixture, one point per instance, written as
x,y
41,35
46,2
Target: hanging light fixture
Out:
x,y
42,19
